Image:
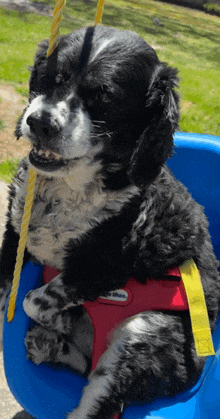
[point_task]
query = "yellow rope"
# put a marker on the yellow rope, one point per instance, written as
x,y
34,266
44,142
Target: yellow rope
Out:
x,y
99,11
55,27
22,242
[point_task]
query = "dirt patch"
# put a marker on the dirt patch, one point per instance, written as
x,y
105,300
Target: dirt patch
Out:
x,y
11,107
27,7
186,104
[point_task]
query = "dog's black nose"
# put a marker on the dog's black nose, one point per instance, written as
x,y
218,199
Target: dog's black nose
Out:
x,y
43,124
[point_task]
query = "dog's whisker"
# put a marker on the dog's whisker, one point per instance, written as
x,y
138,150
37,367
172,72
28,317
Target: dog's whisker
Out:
x,y
102,134
99,122
96,126
33,95
109,134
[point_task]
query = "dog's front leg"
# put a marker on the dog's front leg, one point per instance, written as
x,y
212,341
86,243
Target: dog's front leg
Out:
x,y
49,305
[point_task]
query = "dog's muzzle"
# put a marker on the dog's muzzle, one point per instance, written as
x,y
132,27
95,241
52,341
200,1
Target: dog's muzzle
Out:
x,y
43,125
44,128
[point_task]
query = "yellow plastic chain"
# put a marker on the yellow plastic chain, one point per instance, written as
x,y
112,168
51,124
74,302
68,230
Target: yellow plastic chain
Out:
x,y
53,42
197,308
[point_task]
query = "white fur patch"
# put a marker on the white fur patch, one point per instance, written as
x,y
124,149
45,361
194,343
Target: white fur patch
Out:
x,y
103,46
66,210
35,104
97,389
75,125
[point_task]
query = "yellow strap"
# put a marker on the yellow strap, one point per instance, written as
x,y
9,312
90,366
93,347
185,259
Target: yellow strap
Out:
x,y
197,308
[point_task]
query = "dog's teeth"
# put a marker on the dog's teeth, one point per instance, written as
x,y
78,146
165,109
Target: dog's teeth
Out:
x,y
57,156
46,154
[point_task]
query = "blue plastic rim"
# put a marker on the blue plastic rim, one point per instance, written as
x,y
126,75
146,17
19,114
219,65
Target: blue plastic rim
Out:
x,y
50,393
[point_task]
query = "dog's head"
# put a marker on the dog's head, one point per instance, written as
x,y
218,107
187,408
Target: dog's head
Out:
x,y
102,96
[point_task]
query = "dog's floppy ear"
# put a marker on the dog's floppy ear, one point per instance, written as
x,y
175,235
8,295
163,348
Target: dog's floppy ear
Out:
x,y
156,142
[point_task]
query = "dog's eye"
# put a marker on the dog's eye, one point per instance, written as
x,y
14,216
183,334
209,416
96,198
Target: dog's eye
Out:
x,y
99,98
58,78
104,97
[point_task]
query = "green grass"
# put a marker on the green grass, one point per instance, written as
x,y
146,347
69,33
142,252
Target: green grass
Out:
x,y
8,168
2,124
22,90
19,35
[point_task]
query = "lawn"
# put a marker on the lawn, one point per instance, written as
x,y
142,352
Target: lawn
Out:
x,y
8,169
189,40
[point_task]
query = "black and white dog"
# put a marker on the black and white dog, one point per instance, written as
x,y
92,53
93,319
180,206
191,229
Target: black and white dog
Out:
x,y
101,116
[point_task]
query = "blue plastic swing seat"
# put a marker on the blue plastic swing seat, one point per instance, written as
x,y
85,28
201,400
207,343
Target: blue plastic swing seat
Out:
x,y
50,393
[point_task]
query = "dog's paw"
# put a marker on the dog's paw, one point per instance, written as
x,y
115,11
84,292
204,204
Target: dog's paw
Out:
x,y
43,345
40,307
49,304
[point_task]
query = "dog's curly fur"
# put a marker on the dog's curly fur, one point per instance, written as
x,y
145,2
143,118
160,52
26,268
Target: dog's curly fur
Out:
x,y
101,116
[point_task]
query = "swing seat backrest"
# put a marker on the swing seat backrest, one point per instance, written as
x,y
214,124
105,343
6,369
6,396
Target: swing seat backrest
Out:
x,y
196,163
